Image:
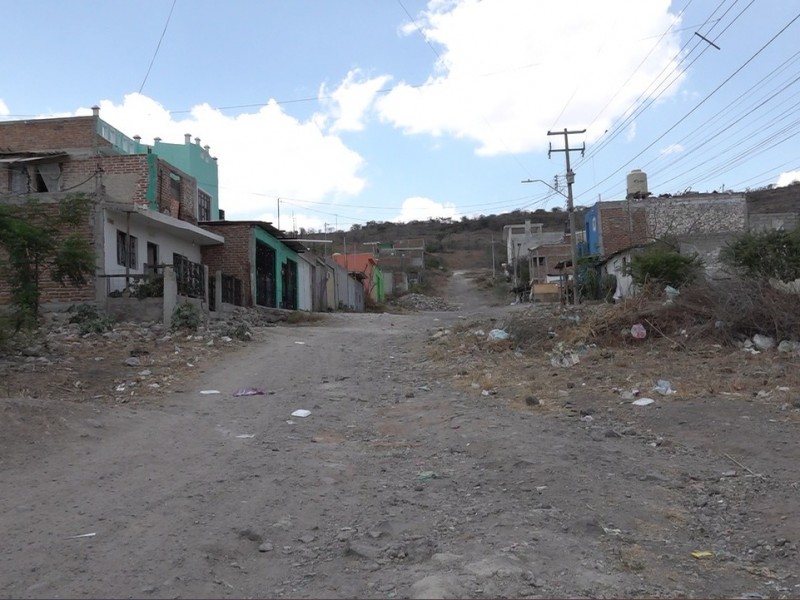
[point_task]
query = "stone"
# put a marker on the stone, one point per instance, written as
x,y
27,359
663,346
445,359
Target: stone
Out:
x,y
265,547
363,550
132,361
436,587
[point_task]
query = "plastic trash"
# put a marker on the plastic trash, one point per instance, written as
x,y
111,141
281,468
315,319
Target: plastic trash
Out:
x,y
700,554
426,475
663,387
301,412
643,402
672,293
498,334
638,331
249,392
82,535
207,392
246,436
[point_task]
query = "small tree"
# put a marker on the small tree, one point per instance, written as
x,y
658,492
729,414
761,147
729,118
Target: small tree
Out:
x,y
662,264
764,255
37,241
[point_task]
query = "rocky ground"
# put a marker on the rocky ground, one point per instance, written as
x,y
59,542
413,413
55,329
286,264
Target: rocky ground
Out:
x,y
487,451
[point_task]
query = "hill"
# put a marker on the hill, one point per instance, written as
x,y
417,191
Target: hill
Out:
x,y
453,244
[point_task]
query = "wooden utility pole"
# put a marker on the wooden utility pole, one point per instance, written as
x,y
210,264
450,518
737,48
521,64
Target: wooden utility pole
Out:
x,y
570,208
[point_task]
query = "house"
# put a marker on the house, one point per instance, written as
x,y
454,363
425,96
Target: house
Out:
x,y
144,209
701,223
519,239
402,263
263,258
364,267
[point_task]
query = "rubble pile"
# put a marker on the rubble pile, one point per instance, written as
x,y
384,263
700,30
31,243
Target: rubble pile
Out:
x,y
426,303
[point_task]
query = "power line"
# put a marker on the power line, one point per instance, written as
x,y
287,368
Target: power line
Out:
x,y
158,46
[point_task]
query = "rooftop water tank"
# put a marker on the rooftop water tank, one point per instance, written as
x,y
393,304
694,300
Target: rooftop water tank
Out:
x,y
637,184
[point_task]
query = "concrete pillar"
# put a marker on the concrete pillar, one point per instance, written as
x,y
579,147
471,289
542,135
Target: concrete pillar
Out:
x,y
170,294
218,291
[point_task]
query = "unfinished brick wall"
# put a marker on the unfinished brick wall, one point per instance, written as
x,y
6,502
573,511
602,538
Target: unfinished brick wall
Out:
x,y
39,135
232,258
51,291
622,226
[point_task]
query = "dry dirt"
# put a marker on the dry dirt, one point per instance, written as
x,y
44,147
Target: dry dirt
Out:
x,y
434,463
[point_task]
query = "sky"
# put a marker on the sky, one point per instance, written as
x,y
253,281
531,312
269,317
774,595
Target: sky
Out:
x,y
328,114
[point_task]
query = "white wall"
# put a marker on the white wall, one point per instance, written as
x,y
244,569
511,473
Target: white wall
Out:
x,y
616,267
305,279
144,231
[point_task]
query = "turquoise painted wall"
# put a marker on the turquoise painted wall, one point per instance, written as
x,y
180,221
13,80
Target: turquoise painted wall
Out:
x,y
282,254
190,158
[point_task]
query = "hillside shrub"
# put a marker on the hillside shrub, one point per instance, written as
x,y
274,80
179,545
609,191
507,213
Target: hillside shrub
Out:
x,y
662,265
769,254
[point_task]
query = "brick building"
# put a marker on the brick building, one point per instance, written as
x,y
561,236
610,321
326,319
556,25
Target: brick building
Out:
x,y
143,208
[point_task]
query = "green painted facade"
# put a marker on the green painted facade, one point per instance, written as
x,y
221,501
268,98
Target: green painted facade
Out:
x,y
378,285
282,255
190,158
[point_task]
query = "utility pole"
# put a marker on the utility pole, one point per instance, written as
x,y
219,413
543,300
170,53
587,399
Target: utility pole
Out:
x,y
570,208
493,275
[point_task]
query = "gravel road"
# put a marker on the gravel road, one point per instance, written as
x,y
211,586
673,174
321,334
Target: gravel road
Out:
x,y
398,484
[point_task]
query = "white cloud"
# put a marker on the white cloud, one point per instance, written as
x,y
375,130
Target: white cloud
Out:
x,y
788,178
672,149
3,108
510,70
348,104
263,155
422,209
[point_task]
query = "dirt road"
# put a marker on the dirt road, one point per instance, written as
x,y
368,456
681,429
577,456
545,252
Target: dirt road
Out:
x,y
400,483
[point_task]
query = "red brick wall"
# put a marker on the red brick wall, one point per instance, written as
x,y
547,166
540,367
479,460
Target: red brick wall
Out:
x,y
622,228
165,193
37,135
233,257
52,291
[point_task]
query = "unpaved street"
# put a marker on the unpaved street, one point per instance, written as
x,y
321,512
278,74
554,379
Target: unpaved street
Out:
x,y
400,483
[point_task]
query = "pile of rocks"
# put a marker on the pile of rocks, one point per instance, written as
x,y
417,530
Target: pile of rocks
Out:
x,y
422,302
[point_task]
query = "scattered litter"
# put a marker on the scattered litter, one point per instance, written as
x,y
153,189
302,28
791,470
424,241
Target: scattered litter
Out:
x,y
120,387
730,473
663,387
301,343
82,535
638,331
246,436
752,596
301,412
700,554
498,334
672,293
643,402
290,422
207,392
426,475
565,360
249,392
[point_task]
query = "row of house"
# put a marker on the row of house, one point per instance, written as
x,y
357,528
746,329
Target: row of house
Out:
x,y
155,209
612,231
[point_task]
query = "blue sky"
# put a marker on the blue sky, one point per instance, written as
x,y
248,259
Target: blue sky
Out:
x,y
346,111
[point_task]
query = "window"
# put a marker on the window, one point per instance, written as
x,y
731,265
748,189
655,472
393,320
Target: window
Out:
x,y
18,180
44,177
175,185
126,250
203,206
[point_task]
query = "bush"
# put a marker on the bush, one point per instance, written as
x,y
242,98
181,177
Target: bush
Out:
x,y
663,265
764,255
186,316
89,319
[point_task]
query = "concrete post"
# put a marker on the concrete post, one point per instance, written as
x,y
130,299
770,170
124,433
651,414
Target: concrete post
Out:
x,y
170,294
218,290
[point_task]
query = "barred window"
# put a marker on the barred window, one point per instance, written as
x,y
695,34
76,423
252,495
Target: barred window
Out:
x,y
126,249
203,206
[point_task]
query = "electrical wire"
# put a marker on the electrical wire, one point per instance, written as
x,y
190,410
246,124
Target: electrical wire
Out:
x,y
158,46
